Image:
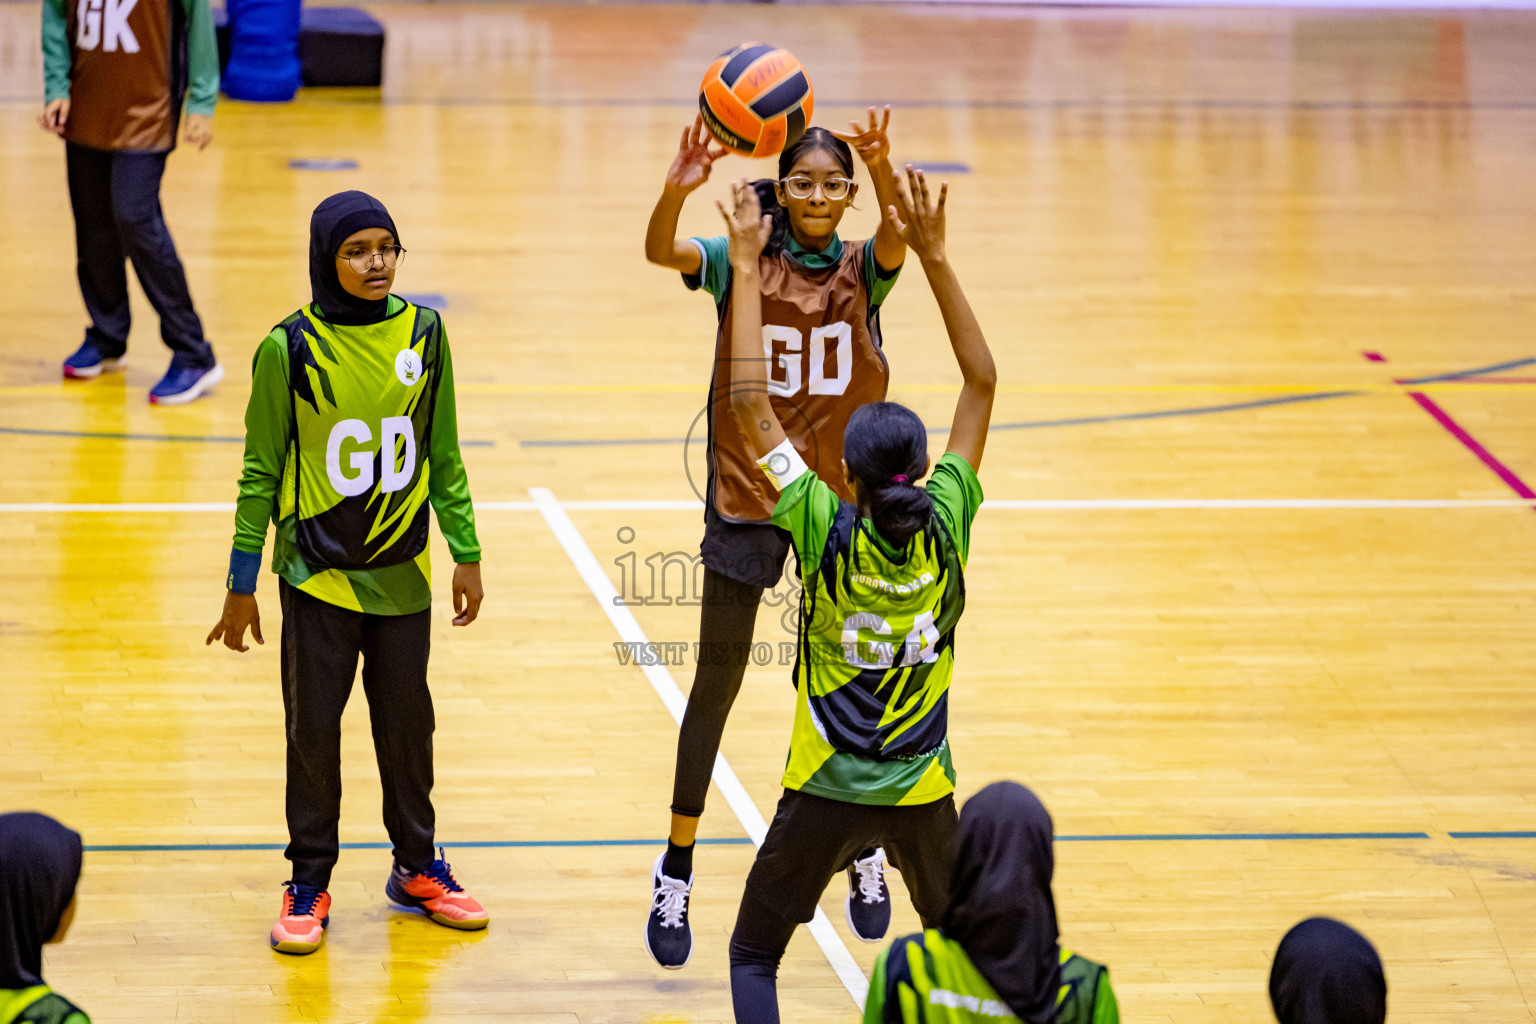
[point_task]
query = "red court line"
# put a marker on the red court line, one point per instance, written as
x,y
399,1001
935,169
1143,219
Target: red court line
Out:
x,y
1509,476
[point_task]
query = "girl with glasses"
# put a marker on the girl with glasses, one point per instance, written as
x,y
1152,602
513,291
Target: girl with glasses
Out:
x,y
821,325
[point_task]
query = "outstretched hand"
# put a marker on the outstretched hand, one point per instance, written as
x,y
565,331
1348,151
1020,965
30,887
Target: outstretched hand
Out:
x,y
695,157
872,143
918,218
747,225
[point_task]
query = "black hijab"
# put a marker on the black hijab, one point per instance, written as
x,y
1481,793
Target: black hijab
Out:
x,y
1327,973
1000,906
333,221
39,866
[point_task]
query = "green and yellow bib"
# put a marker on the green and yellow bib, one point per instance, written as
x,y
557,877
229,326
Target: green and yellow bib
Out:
x,y
363,399
875,656
929,979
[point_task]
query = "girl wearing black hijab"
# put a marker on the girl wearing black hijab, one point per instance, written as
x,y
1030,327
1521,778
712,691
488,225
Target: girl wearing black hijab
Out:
x,y
351,434
39,867
1325,972
995,955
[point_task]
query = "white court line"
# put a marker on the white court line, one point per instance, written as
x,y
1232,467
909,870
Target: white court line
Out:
x,y
1001,504
666,688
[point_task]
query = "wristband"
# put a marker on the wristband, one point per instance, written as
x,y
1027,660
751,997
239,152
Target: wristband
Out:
x,y
783,465
244,567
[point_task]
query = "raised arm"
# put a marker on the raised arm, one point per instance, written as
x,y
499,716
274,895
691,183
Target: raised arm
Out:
x,y
919,220
874,148
689,170
749,228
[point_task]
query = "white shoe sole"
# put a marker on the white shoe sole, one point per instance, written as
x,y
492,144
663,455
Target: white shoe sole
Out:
x,y
194,392
86,373
645,932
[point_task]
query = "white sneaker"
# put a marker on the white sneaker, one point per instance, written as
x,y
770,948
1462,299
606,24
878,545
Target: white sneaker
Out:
x,y
668,938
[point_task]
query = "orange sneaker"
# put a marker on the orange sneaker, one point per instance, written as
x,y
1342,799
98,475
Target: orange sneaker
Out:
x,y
435,891
301,926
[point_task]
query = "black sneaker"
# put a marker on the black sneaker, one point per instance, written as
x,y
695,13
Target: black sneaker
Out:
x,y
869,901
668,938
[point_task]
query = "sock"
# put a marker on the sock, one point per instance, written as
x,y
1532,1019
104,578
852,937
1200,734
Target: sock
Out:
x,y
678,861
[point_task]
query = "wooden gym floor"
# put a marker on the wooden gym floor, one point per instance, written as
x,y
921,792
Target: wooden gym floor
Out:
x,y
1254,616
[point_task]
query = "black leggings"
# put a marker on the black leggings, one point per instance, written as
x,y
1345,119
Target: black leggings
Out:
x,y
811,839
726,621
757,945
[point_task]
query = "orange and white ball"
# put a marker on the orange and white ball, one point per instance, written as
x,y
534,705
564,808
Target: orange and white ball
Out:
x,y
756,99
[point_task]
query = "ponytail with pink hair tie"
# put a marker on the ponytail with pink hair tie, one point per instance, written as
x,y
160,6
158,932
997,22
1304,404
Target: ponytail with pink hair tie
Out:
x,y
899,478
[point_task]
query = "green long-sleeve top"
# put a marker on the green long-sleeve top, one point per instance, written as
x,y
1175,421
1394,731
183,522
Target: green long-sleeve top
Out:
x,y
268,482
202,55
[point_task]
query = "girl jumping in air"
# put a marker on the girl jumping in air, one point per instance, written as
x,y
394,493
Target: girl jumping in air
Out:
x,y
351,432
884,588
820,301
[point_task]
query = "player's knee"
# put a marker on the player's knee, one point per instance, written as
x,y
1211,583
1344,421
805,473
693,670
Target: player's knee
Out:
x,y
753,959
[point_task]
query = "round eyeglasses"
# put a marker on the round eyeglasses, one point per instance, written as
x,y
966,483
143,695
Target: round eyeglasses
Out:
x,y
802,187
389,256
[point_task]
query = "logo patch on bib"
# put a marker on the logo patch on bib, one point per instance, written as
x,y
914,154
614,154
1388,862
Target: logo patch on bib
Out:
x,y
408,367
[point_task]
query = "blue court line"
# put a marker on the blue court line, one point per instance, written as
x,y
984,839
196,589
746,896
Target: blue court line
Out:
x,y
1192,837
904,104
433,300
1492,835
108,435
608,442
1513,364
1200,410
492,844
322,165
502,844
602,442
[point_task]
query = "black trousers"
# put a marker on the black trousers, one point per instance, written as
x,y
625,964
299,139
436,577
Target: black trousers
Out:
x,y
810,840
320,647
116,200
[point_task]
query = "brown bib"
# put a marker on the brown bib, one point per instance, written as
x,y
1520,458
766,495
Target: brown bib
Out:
x,y
822,342
120,75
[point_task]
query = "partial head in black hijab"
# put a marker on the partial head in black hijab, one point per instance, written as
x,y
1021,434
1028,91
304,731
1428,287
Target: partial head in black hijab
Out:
x,y
1000,906
1327,973
39,866
334,220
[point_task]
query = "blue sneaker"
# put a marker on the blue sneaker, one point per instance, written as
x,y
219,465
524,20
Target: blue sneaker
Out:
x,y
183,384
89,361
